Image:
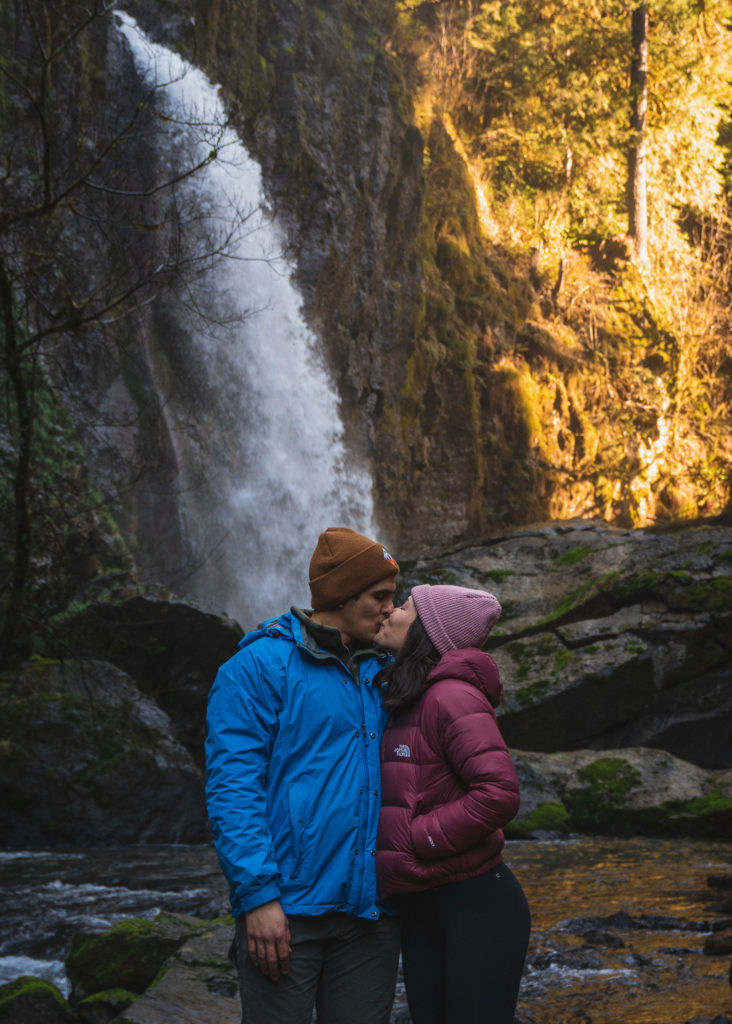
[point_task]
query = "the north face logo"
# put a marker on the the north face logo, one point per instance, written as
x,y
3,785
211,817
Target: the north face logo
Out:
x,y
402,750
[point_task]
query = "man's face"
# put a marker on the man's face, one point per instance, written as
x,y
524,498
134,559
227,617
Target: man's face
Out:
x,y
360,617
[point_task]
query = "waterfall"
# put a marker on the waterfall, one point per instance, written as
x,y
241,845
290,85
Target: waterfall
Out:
x,y
262,462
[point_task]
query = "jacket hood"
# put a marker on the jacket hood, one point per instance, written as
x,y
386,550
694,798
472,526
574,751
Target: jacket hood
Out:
x,y
285,625
473,666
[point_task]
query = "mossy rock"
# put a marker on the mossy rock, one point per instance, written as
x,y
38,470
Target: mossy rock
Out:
x,y
103,1007
33,1001
130,956
605,786
550,816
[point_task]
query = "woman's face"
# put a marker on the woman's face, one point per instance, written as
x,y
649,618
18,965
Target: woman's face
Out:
x,y
393,631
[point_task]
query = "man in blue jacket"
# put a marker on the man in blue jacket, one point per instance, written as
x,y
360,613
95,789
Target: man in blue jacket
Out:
x,y
293,792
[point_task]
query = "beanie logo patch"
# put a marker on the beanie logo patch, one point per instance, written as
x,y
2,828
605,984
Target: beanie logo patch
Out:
x,y
388,557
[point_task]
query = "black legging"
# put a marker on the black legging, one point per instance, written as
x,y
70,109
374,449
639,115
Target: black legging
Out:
x,y
463,949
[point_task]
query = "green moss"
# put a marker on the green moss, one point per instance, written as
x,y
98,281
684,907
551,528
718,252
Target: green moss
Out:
x,y
573,556
577,597
72,609
612,775
563,658
712,803
495,575
605,785
29,986
680,590
549,816
110,995
714,595
129,956
532,692
32,999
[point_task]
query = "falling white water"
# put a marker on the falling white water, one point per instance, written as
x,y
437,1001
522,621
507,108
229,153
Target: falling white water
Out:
x,y
263,463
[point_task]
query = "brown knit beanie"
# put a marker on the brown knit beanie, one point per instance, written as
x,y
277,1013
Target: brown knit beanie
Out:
x,y
343,564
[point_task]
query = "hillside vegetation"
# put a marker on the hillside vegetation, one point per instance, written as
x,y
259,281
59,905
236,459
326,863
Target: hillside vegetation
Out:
x,y
593,333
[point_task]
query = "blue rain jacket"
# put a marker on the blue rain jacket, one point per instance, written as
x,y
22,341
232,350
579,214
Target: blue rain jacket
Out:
x,y
293,781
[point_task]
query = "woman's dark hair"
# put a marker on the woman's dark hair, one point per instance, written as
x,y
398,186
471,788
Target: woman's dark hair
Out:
x,y
404,678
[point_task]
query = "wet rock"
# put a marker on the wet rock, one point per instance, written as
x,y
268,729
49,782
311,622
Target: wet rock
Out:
x,y
600,937
32,1001
718,944
86,759
647,922
198,984
639,960
129,956
573,960
720,881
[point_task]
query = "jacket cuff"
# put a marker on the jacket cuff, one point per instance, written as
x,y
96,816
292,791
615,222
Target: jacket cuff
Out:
x,y
254,900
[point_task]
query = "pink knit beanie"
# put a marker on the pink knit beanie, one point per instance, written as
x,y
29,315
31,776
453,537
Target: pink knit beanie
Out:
x,y
455,617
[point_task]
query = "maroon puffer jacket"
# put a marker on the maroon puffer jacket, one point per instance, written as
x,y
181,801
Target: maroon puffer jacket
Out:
x,y
448,784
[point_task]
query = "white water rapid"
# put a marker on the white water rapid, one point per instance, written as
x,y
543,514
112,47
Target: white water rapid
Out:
x,y
262,460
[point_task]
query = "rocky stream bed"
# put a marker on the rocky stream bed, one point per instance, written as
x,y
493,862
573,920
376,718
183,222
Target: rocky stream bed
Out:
x,y
625,931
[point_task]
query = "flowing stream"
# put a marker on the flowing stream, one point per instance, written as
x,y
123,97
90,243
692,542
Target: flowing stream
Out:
x,y
645,966
255,418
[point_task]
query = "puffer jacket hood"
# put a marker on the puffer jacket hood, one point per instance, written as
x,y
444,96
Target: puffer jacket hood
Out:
x,y
473,666
448,782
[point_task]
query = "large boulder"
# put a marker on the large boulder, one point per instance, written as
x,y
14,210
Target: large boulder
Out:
x,y
86,759
129,956
28,1000
171,649
633,791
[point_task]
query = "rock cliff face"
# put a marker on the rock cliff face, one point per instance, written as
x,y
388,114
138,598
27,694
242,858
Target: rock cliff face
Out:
x,y
614,650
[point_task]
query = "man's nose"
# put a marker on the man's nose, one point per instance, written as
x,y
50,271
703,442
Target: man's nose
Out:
x,y
388,606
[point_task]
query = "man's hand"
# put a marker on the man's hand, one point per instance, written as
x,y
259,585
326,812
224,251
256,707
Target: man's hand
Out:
x,y
268,939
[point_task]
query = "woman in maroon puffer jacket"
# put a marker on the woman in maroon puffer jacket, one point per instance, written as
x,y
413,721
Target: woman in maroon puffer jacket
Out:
x,y
448,788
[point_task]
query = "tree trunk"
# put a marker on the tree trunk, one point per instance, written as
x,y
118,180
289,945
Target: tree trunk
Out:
x,y
637,174
21,478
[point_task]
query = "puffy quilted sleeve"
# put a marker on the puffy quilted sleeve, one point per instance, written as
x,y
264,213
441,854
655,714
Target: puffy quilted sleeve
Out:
x,y
460,726
242,726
